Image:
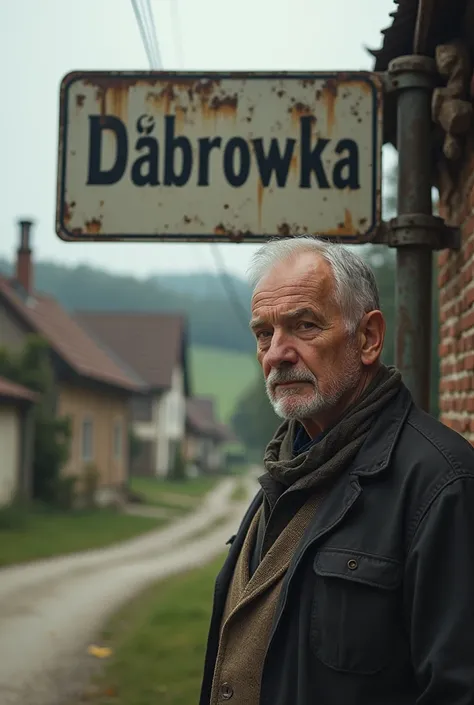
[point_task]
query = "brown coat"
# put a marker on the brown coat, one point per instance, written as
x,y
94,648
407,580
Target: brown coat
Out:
x,y
250,608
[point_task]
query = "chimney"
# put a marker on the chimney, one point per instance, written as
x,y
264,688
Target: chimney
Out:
x,y
24,267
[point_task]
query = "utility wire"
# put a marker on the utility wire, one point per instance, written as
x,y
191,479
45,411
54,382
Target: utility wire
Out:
x,y
154,36
146,24
146,40
228,284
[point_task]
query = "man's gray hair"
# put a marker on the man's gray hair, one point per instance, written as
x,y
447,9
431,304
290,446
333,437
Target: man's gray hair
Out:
x,y
356,288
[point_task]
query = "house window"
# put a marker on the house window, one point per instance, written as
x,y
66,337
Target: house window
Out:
x,y
118,439
87,440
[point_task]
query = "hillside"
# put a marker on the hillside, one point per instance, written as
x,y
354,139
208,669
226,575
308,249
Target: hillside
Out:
x,y
213,320
222,374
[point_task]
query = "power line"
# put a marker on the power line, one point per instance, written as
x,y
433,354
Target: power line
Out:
x,y
228,284
154,35
146,23
143,33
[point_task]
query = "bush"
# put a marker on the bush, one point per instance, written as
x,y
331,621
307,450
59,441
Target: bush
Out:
x,y
13,517
64,492
178,471
31,367
90,484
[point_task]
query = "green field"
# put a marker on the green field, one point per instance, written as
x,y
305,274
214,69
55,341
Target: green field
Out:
x,y
222,374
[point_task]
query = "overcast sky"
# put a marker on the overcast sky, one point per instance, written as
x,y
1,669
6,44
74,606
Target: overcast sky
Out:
x,y
42,40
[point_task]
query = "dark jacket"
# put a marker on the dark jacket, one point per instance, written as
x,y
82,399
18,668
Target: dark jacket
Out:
x,y
377,607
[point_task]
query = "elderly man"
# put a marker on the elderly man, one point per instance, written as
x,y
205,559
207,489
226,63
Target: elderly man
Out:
x,y
351,578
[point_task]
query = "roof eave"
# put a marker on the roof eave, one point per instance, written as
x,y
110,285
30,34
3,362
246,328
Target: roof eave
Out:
x,y
413,32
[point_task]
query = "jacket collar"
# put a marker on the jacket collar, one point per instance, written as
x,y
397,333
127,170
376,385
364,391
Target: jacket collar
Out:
x,y
376,453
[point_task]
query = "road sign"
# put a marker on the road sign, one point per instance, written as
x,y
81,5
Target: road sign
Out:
x,y
217,157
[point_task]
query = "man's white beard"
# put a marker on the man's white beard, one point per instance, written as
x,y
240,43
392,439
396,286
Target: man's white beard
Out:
x,y
300,403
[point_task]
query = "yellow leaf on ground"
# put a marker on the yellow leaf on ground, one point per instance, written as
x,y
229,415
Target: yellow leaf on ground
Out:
x,y
99,651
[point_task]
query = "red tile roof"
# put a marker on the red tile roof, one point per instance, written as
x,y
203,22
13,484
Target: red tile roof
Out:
x,y
66,337
151,343
200,415
200,419
10,390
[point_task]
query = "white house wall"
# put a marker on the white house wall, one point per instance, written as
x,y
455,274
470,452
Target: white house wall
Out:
x,y
174,407
10,429
167,423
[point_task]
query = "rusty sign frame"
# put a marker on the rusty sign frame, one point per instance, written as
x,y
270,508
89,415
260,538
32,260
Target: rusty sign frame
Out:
x,y
106,79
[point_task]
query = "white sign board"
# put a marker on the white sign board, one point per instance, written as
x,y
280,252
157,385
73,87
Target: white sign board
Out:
x,y
216,157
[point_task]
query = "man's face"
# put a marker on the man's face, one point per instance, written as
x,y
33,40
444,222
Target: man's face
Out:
x,y
309,361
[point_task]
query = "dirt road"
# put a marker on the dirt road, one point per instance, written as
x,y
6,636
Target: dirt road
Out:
x,y
51,610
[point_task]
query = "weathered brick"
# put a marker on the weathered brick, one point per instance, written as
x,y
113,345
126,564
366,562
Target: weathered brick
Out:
x,y
443,257
469,361
466,321
456,307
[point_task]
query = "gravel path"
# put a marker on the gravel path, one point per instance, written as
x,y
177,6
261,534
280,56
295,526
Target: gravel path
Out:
x,y
51,610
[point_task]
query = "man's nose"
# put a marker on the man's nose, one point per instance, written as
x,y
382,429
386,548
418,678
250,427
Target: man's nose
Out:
x,y
281,351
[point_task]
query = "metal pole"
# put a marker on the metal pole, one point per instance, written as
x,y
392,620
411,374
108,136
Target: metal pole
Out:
x,y
413,78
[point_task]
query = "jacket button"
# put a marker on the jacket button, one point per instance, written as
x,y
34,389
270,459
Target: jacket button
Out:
x,y
352,564
226,691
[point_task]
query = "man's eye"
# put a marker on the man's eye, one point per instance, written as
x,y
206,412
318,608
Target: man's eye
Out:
x,y
307,325
263,334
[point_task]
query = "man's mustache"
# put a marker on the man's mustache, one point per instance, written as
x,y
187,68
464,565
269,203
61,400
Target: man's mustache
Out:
x,y
288,376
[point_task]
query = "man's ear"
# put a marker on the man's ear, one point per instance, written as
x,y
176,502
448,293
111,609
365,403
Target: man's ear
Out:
x,y
371,337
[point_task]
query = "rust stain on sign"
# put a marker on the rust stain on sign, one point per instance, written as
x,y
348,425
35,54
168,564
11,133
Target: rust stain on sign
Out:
x,y
93,226
68,211
329,97
260,191
299,110
345,228
294,164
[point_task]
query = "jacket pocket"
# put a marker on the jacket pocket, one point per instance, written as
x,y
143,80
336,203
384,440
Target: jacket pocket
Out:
x,y
355,610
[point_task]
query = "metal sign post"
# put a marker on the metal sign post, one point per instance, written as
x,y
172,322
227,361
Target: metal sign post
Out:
x,y
415,232
183,157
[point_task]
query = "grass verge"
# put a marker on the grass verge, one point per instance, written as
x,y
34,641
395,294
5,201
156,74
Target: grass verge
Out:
x,y
29,534
171,493
240,492
158,643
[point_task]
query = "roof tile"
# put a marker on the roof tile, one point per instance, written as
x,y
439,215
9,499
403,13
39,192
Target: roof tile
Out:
x,y
151,343
67,338
10,390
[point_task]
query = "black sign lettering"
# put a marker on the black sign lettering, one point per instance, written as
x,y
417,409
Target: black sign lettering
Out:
x,y
145,168
237,146
311,158
172,145
97,176
346,170
206,145
273,160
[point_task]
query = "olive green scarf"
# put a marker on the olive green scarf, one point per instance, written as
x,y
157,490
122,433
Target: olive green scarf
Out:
x,y
338,447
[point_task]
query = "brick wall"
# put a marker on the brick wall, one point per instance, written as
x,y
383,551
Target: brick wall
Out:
x,y
456,303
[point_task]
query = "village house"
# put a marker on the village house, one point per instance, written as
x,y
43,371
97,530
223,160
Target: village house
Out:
x,y
154,345
91,386
205,436
16,441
